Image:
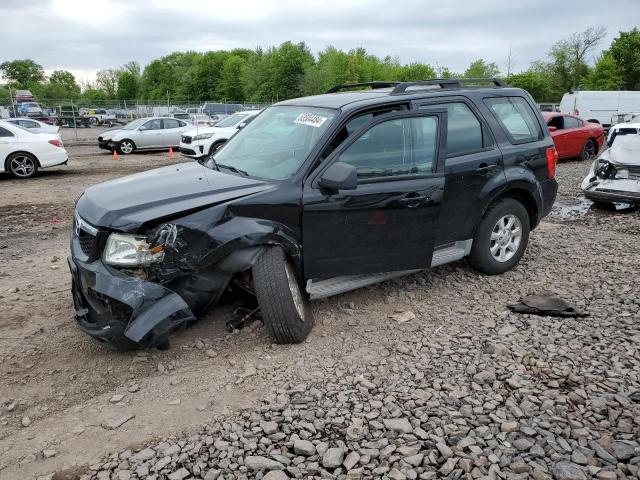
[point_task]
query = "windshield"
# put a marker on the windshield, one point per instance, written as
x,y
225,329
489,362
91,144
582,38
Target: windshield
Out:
x,y
276,143
135,124
232,120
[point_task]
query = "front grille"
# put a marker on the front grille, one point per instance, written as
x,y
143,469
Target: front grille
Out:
x,y
186,139
88,244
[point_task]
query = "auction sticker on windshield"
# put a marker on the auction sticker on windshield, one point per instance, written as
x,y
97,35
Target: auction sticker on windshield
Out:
x,y
310,119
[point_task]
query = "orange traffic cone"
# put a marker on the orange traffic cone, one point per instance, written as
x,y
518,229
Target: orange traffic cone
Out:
x,y
171,152
115,155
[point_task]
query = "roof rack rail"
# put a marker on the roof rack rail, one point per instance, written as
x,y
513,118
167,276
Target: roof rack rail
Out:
x,y
444,83
344,86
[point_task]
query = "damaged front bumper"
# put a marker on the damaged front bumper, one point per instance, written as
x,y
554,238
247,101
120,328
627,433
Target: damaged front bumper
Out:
x,y
114,307
608,182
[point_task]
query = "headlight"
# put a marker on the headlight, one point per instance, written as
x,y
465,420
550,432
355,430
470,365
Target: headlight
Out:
x,y
202,136
131,251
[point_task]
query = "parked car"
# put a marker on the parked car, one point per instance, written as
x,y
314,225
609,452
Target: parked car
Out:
x,y
316,196
600,106
218,117
574,137
615,175
212,108
23,152
630,128
154,133
549,107
201,142
201,120
34,126
182,116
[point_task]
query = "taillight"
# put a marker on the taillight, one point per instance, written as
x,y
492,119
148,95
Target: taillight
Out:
x,y
56,143
552,162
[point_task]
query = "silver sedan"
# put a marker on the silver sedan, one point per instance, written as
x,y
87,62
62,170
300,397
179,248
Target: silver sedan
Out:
x,y
153,133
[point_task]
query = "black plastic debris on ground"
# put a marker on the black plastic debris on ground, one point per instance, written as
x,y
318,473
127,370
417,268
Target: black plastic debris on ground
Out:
x,y
242,316
546,304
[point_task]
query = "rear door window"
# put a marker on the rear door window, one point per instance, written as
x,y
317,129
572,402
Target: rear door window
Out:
x,y
171,123
572,122
516,118
464,131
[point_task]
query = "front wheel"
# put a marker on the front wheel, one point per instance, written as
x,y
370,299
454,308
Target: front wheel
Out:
x,y
501,238
22,165
284,305
126,147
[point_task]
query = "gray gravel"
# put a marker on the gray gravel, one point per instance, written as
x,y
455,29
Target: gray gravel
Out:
x,y
466,389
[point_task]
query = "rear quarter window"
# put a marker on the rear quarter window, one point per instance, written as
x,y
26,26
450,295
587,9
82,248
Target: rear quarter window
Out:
x,y
516,118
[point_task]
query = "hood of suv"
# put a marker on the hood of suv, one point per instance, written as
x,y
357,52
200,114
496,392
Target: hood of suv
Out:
x,y
127,203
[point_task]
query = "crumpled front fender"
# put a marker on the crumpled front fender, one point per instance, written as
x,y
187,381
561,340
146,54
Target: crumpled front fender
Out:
x,y
102,295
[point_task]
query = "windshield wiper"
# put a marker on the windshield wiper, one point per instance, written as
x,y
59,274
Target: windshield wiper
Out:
x,y
234,169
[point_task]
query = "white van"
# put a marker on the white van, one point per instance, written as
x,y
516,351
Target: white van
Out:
x,y
600,107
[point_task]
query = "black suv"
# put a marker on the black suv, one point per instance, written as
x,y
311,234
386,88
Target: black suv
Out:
x,y
316,196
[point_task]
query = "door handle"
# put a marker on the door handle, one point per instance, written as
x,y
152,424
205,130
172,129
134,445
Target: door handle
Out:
x,y
484,168
412,201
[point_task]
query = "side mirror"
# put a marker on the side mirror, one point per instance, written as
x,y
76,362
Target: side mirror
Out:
x,y
552,128
339,176
242,125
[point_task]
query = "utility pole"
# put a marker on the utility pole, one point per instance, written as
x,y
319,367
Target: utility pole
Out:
x,y
13,105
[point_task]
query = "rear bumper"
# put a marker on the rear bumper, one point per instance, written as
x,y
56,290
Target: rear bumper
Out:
x,y
54,158
110,305
549,190
612,190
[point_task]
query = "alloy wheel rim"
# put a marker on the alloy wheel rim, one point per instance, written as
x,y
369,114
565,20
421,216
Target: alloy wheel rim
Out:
x,y
505,239
126,147
22,166
589,151
296,294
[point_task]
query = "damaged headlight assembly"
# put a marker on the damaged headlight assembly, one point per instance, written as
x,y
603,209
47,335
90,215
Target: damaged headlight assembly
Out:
x,y
131,251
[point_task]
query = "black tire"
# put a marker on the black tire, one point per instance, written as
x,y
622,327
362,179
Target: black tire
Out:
x,y
481,257
589,150
21,165
285,322
215,146
125,143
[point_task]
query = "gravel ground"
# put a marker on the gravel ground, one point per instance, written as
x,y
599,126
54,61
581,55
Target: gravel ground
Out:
x,y
464,389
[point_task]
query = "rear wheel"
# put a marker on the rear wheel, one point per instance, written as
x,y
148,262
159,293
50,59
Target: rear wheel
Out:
x,y
501,237
22,165
126,147
284,305
588,150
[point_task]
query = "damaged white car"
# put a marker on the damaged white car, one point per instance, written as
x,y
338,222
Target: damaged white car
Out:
x,y
615,175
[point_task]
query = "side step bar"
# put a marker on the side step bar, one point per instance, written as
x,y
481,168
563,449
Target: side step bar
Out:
x,y
337,285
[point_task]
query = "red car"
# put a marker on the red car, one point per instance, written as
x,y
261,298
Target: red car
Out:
x,y
574,137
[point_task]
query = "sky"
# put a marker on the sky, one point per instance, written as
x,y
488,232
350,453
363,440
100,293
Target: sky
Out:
x,y
84,36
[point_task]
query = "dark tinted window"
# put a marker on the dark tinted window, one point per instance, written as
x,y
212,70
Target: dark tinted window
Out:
x,y
572,122
5,133
556,122
516,118
405,146
464,132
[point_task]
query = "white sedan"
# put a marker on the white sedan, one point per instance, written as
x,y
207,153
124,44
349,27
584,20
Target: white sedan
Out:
x,y
36,126
23,152
201,142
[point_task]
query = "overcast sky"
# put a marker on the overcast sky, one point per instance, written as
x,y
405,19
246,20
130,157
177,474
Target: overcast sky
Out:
x,y
84,36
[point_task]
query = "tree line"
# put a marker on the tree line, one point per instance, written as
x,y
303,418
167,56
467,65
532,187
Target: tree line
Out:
x,y
291,70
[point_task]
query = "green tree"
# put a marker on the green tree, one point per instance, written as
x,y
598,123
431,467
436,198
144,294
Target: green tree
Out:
x,y
569,57
625,51
65,81
415,71
537,83
230,85
107,81
128,81
606,75
287,65
481,69
94,96
22,73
